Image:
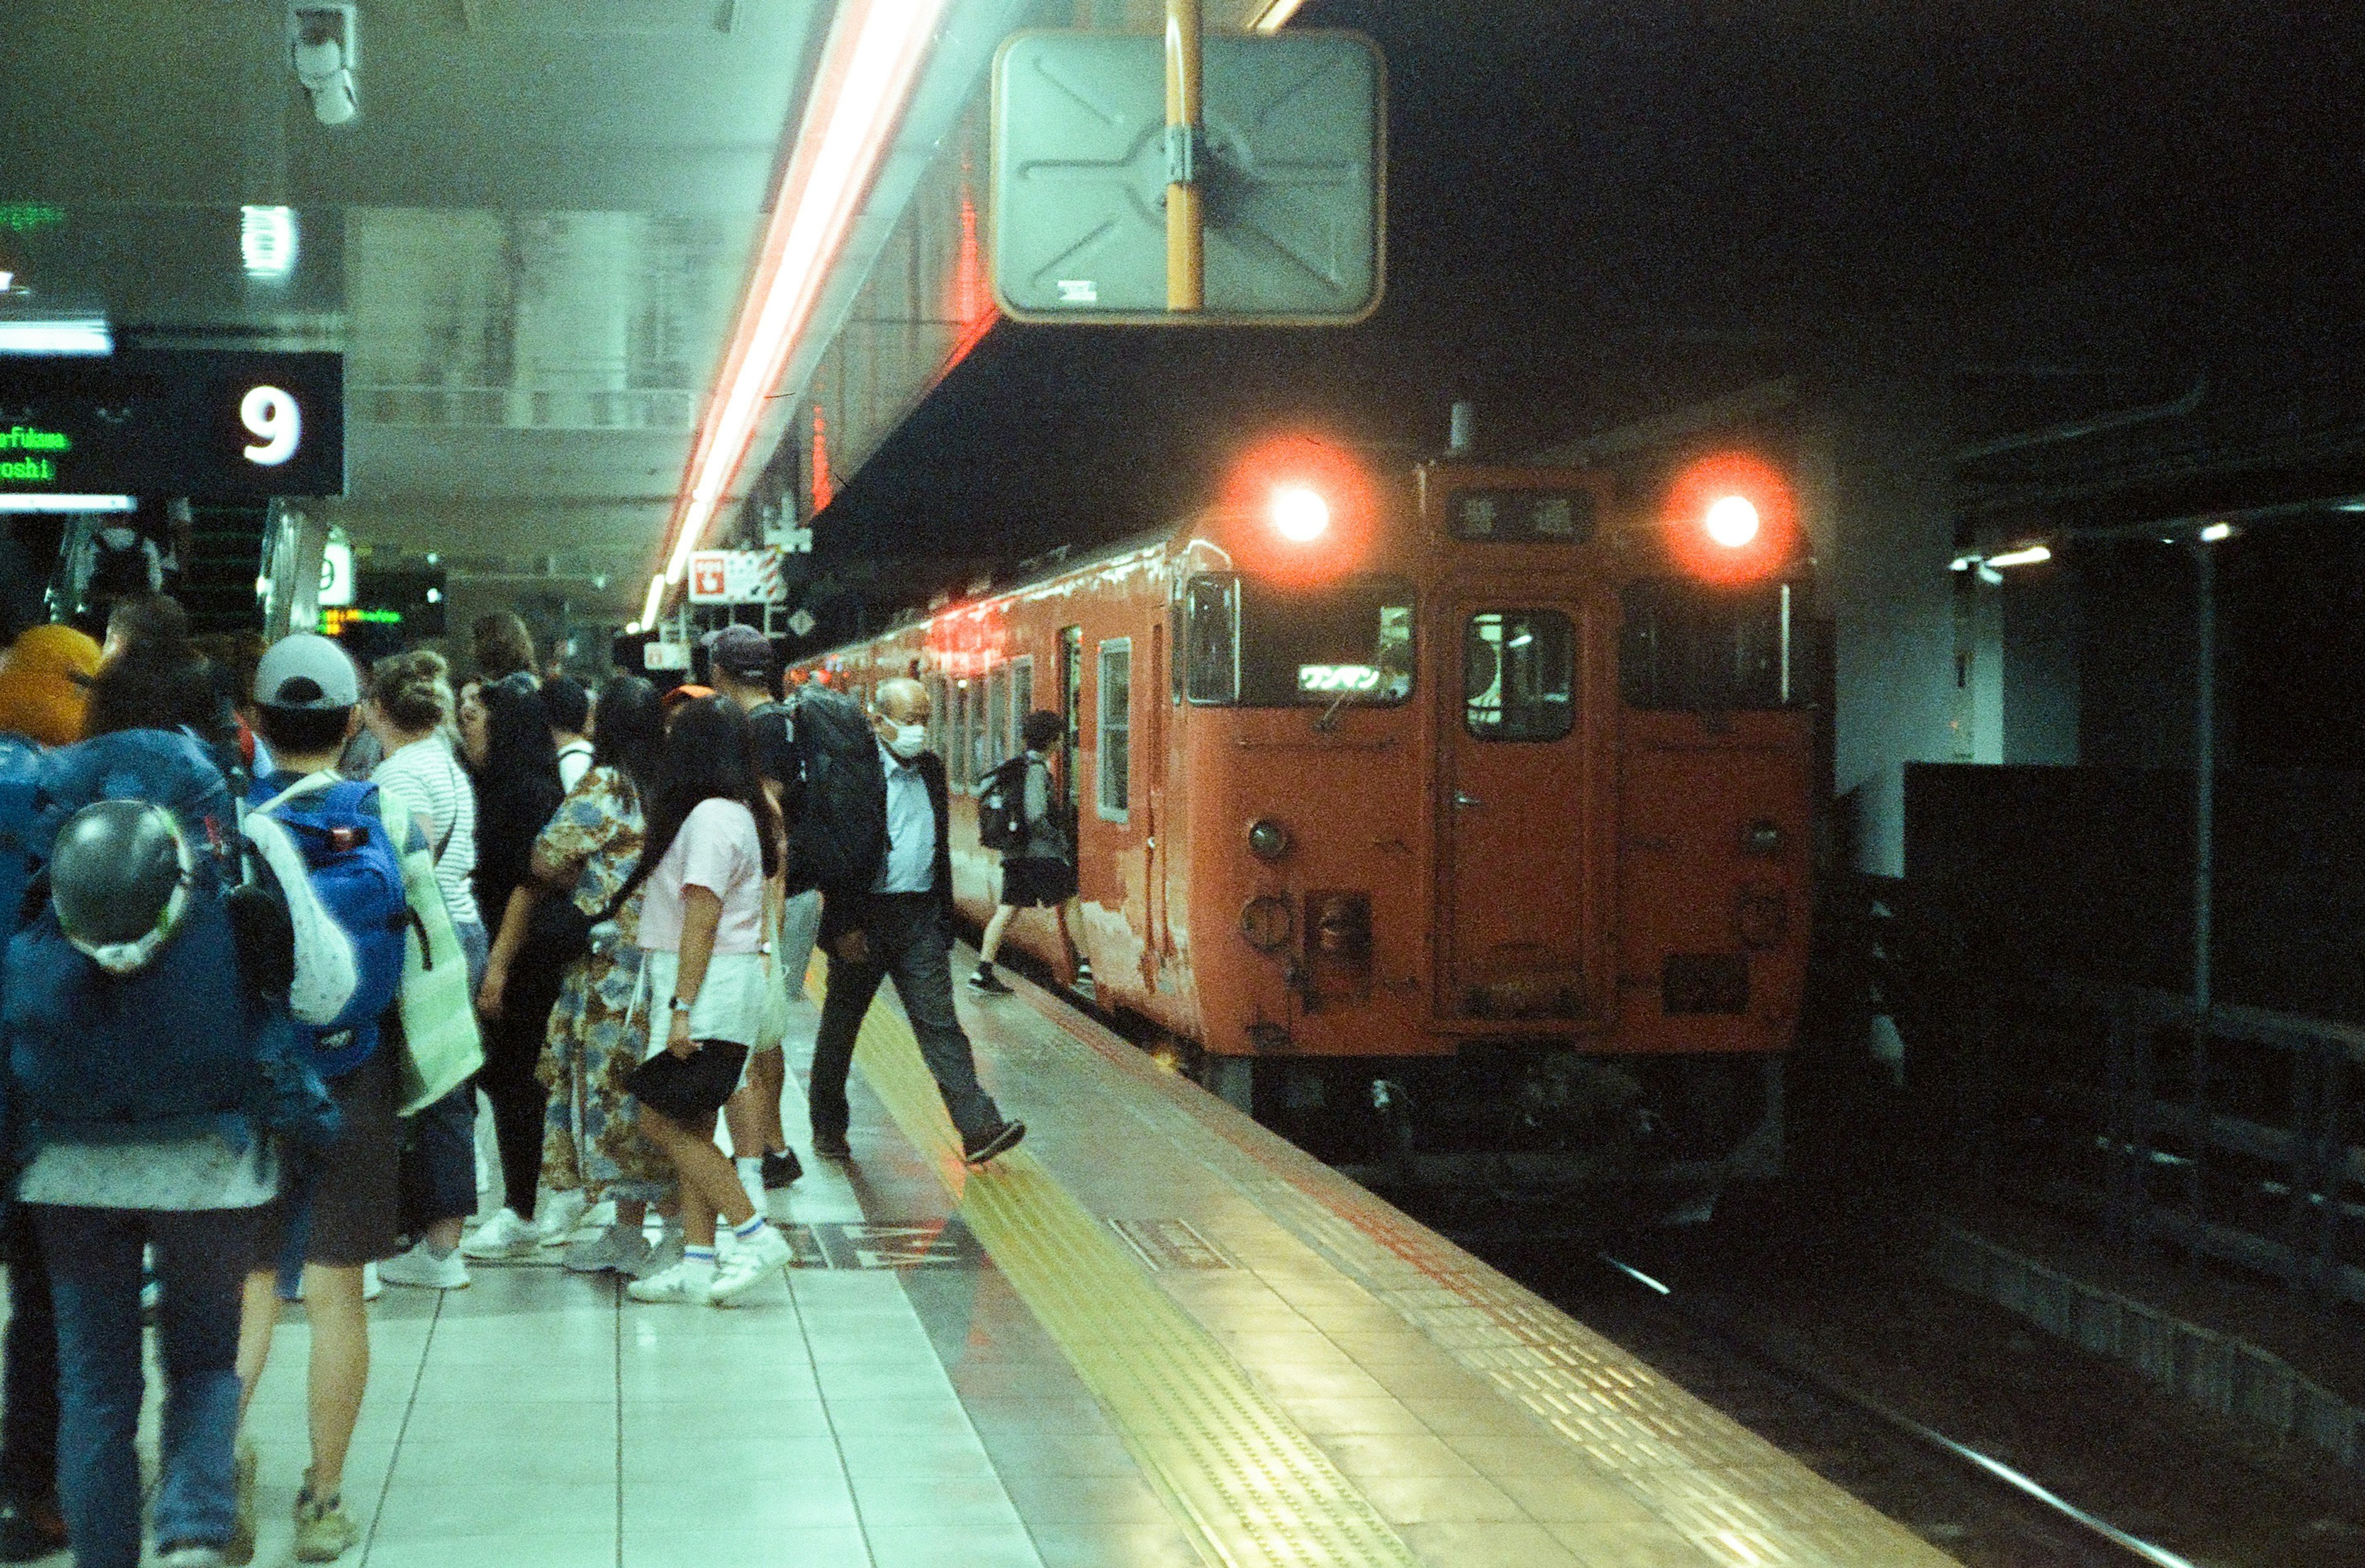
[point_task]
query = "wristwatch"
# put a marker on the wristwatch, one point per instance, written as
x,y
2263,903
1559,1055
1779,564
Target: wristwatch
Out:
x,y
676,1004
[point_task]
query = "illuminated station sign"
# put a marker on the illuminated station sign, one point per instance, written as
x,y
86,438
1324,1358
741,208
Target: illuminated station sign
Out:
x,y
224,426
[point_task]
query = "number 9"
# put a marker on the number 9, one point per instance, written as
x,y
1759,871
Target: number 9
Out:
x,y
272,417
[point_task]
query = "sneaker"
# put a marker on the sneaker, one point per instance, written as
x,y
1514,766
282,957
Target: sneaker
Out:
x,y
30,1529
373,1286
661,1256
986,981
831,1146
557,1217
616,1248
189,1554
781,1168
323,1532
503,1236
239,1548
750,1266
675,1284
422,1269
1000,1140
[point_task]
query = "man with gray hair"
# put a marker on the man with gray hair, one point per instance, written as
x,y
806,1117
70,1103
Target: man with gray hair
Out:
x,y
900,925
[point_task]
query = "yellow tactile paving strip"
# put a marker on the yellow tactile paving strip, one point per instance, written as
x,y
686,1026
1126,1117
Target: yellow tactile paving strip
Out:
x,y
1736,1497
1252,1488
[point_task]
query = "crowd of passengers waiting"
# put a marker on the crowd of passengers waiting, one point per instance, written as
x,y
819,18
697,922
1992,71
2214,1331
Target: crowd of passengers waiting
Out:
x,y
258,854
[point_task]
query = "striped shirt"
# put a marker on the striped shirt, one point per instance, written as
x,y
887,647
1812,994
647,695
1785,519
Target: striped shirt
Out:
x,y
430,778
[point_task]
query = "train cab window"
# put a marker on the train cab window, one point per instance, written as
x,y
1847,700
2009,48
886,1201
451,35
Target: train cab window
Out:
x,y
1209,636
1266,645
1684,644
1518,674
1115,728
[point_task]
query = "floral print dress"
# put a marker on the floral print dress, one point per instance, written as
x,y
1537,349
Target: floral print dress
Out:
x,y
589,1141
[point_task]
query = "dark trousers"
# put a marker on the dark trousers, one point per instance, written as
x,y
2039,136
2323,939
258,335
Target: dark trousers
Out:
x,y
29,1370
911,943
512,1052
201,1258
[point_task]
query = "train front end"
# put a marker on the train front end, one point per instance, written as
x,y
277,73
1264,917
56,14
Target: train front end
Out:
x,y
1500,807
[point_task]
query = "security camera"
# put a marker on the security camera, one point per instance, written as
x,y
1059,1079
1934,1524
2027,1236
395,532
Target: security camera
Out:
x,y
323,47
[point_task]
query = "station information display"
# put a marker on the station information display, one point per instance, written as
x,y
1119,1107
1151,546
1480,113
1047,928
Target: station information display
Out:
x,y
224,425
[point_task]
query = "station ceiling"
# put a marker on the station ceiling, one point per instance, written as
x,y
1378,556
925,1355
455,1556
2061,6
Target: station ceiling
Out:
x,y
531,246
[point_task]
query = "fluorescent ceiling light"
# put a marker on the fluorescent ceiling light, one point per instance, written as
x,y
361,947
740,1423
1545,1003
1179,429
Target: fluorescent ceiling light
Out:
x,y
267,241
868,71
655,603
81,335
7,280
2026,555
2216,531
31,501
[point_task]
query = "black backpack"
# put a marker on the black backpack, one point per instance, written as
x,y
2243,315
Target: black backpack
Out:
x,y
1001,807
840,829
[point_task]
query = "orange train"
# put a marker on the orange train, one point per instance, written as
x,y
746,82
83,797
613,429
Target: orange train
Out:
x,y
1459,817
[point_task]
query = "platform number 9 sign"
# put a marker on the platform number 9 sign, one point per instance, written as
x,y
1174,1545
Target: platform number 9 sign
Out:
x,y
272,417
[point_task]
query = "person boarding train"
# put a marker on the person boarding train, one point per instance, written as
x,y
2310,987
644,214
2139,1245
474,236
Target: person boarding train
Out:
x,y
900,925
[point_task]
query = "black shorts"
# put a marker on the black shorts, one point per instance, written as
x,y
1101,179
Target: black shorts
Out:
x,y
690,1091
341,1205
1038,884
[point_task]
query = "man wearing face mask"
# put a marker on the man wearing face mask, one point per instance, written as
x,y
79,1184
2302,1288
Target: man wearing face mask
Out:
x,y
901,926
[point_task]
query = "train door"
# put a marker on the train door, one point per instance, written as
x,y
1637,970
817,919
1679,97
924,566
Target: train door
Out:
x,y
1513,817
1072,699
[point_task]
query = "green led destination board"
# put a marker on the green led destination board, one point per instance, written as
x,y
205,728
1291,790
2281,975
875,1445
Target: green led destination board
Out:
x,y
223,425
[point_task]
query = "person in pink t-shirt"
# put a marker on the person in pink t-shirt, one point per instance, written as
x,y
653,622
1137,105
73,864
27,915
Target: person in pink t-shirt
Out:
x,y
714,841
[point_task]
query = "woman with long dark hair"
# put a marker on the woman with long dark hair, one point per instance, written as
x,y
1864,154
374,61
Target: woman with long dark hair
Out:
x,y
714,843
590,1147
517,790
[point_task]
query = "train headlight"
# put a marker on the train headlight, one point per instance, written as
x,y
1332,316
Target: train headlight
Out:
x,y
1733,521
1300,513
1762,837
1268,840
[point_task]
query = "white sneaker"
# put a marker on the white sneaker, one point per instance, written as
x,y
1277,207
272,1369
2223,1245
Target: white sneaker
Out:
x,y
755,1262
556,1217
422,1269
373,1287
503,1236
662,1254
676,1283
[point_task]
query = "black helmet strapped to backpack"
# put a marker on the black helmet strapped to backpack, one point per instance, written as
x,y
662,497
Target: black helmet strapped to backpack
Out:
x,y
120,874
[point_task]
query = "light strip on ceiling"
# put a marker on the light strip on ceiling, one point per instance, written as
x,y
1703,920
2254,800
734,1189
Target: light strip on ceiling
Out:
x,y
86,335
27,500
869,68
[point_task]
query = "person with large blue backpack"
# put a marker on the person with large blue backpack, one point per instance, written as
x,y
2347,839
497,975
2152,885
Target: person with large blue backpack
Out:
x,y
149,1059
341,1208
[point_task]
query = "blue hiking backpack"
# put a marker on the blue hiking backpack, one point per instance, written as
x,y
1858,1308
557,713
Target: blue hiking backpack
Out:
x,y
173,1045
356,873
23,780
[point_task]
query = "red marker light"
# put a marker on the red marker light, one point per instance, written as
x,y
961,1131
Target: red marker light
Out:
x,y
1297,508
1730,518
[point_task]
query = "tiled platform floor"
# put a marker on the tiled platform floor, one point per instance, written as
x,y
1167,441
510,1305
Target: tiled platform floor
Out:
x,y
901,1397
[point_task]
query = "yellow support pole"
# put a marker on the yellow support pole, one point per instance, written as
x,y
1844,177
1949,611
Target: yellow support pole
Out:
x,y
1186,284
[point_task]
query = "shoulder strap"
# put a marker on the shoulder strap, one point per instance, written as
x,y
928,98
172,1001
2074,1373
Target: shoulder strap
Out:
x,y
310,784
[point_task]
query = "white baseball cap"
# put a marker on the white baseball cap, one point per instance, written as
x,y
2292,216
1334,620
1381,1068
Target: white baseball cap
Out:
x,y
307,672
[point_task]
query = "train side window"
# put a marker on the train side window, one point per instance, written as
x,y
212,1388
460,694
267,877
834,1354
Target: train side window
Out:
x,y
1210,638
985,726
940,714
997,720
1115,728
1022,698
1518,673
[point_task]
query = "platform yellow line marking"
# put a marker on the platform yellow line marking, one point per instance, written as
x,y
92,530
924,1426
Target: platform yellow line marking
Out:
x,y
1250,1488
